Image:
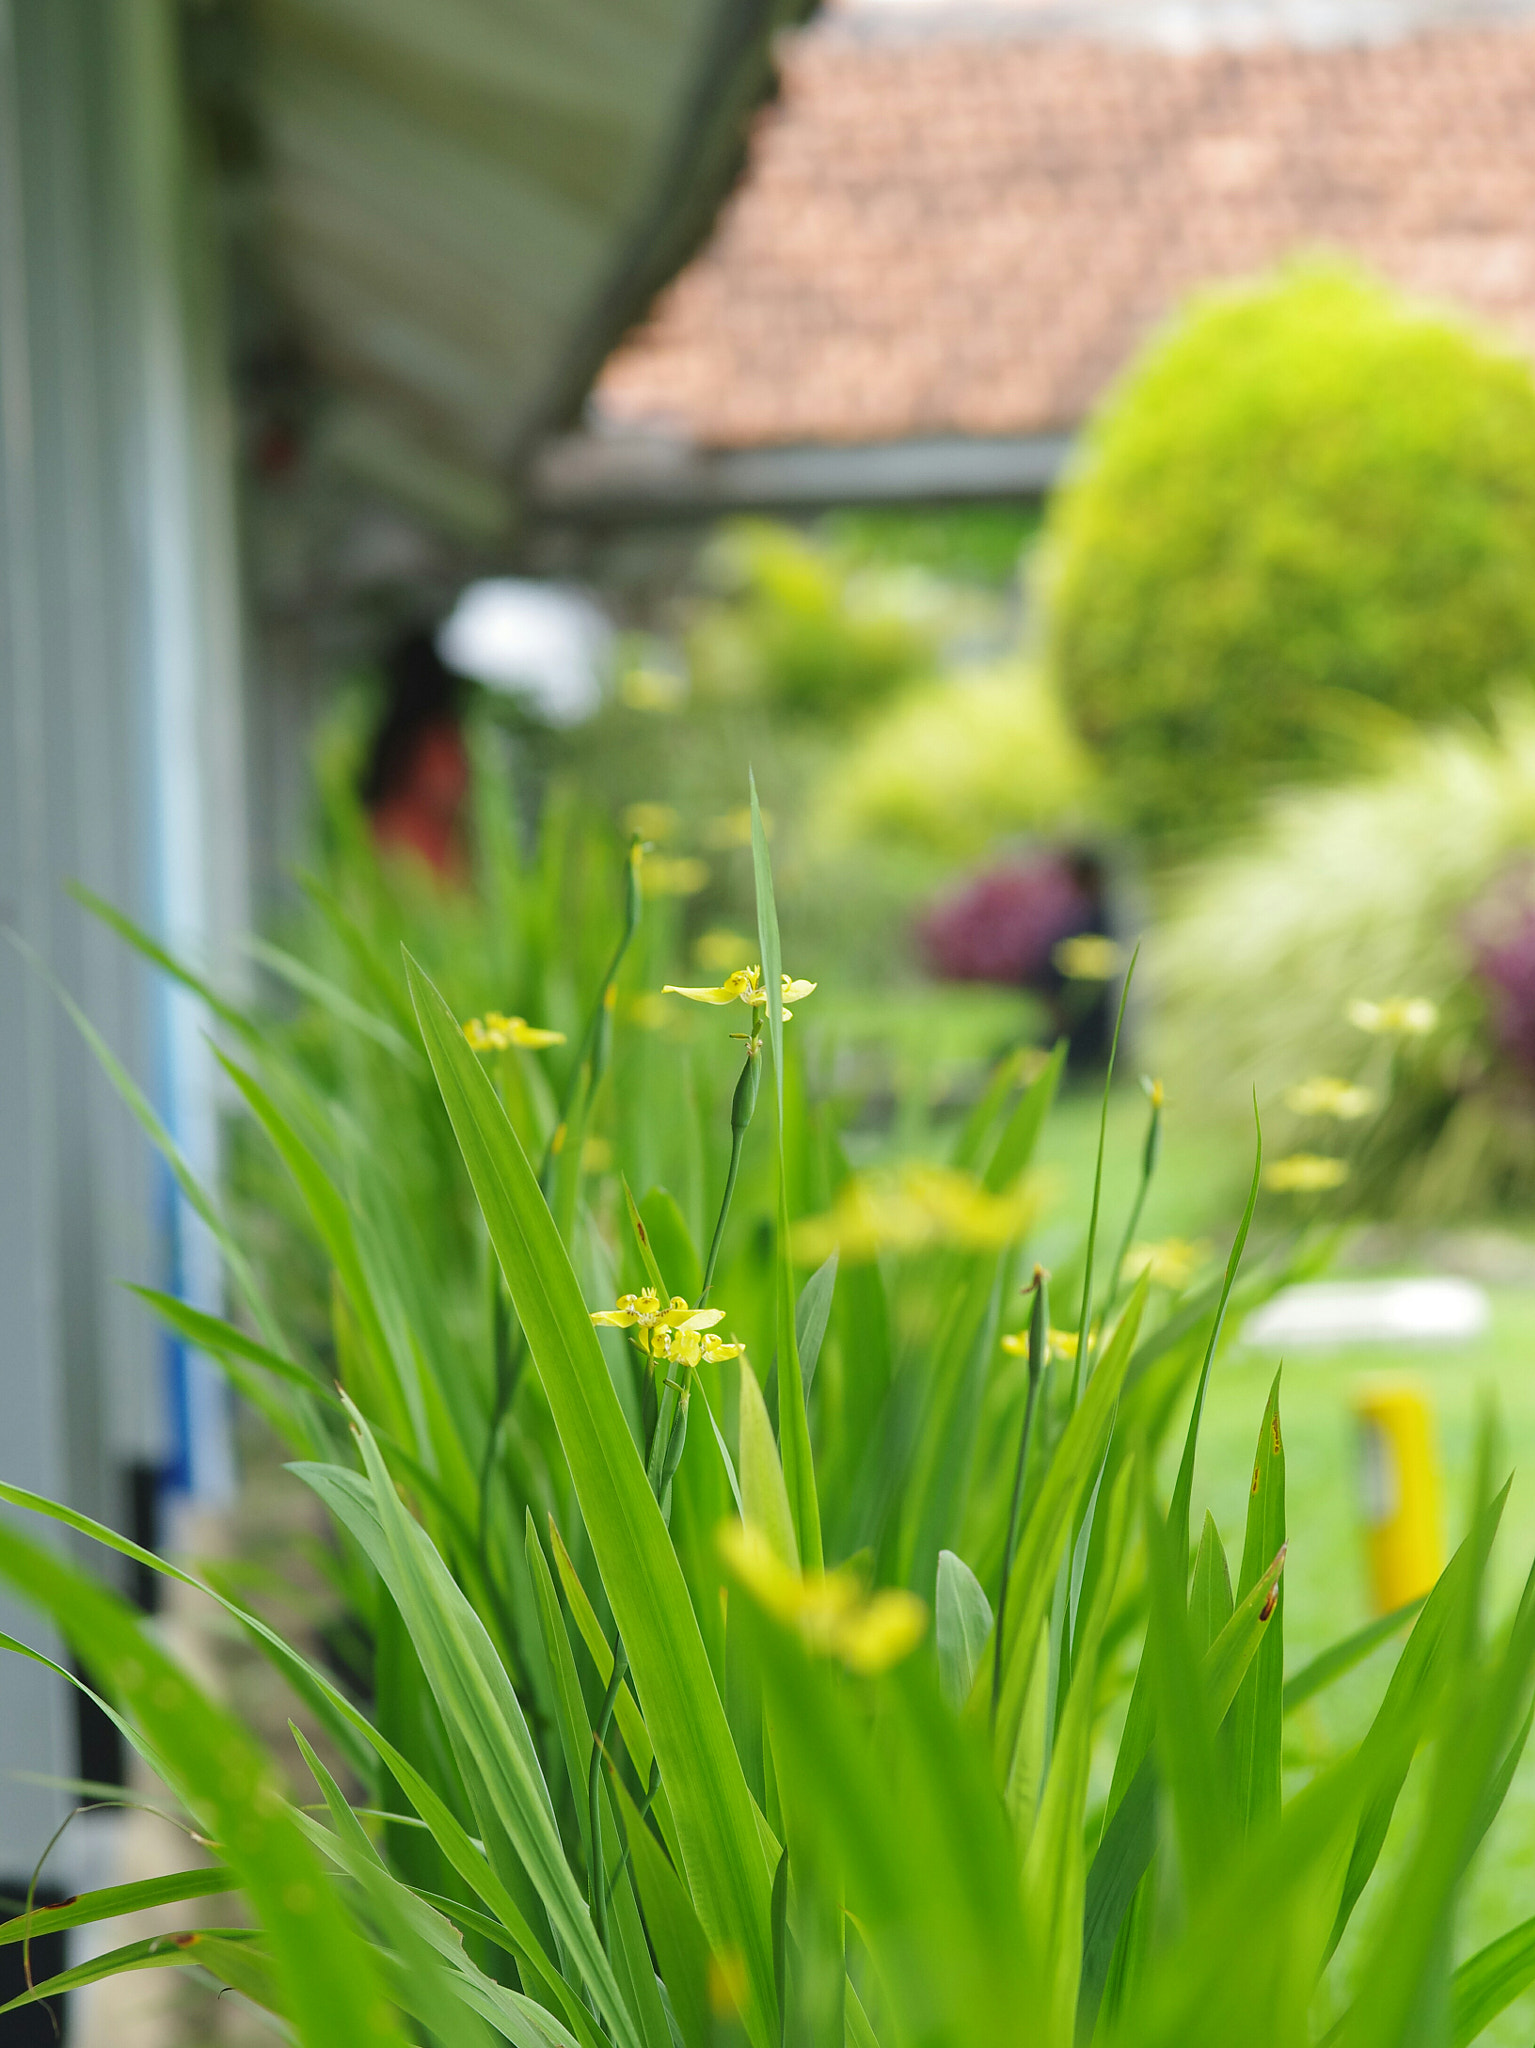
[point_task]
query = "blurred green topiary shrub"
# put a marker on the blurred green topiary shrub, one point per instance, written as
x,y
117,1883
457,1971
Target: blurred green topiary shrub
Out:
x,y
804,627
1310,500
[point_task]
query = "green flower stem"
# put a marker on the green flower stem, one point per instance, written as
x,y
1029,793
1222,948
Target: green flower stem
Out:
x,y
1039,1341
597,1039
1149,1155
743,1107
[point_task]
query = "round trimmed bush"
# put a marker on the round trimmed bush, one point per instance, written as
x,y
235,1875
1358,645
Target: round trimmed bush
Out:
x,y
1310,502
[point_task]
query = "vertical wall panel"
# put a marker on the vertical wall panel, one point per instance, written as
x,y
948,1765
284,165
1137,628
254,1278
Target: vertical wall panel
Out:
x,y
120,746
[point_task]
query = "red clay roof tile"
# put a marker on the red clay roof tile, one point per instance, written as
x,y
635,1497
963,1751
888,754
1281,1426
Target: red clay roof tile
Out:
x,y
971,235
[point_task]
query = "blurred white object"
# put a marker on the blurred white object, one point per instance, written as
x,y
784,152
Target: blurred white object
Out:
x,y
546,644
1327,1312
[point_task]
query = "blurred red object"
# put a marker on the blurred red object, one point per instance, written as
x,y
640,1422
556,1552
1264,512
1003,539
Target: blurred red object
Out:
x,y
417,778
1004,926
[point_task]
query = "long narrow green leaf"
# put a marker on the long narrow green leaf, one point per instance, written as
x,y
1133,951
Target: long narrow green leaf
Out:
x,y
490,1736
709,1798
1070,1474
1129,1838
962,1623
330,1987
1418,1674
1183,1486
358,1738
1340,1658
113,1900
1185,1726
681,1948
793,1421
1257,1714
1489,1982
207,1946
1054,1874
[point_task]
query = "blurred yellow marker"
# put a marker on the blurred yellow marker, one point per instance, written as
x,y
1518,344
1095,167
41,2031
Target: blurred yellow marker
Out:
x,y
1399,1490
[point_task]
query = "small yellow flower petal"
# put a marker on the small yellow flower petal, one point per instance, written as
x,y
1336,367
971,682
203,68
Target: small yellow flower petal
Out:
x,y
664,875
651,821
734,988
1305,1173
498,1032
830,1611
1397,1016
716,949
1171,1264
614,1318
1324,1095
1088,957
874,1638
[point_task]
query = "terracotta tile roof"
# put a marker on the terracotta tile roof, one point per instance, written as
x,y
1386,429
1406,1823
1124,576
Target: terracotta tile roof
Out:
x,y
970,232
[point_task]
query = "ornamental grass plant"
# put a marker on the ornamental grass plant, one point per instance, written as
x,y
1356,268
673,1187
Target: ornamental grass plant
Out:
x,y
752,1652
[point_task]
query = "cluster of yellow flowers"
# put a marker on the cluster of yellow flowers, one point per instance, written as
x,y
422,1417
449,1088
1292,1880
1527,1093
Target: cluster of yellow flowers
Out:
x,y
831,1611
677,1334
1325,1095
495,1033
910,1208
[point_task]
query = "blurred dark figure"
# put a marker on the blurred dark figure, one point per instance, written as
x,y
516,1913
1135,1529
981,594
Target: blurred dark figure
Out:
x,y
1042,925
417,777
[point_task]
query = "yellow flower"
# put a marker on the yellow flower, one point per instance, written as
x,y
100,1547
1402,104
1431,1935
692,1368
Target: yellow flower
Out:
x,y
648,1010
1305,1173
675,1334
653,689
744,986
1403,1016
716,949
689,1345
1324,1095
831,1612
910,1208
1089,957
663,875
734,828
496,1033
651,821
729,1985
1155,1094
1171,1264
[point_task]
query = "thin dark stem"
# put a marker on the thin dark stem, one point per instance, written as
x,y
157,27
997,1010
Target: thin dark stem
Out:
x,y
1150,1152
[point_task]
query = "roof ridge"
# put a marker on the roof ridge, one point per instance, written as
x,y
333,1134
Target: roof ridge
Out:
x,y
1164,24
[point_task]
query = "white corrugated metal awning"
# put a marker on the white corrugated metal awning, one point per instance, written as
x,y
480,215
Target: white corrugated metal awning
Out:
x,y
466,201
